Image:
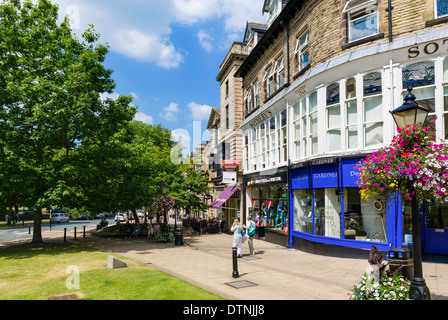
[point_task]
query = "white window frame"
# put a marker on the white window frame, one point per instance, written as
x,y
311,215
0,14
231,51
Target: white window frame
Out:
x,y
272,10
279,73
300,51
355,7
370,122
337,127
436,14
268,81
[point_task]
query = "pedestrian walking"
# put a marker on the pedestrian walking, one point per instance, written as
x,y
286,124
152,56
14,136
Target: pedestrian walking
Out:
x,y
237,237
251,233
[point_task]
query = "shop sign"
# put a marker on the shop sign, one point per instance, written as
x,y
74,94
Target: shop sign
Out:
x,y
427,49
262,117
325,176
322,161
230,164
350,174
229,177
274,179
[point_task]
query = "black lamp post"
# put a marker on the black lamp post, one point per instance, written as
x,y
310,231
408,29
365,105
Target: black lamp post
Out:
x,y
411,113
164,191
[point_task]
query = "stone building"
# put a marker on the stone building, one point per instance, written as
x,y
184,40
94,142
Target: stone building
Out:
x,y
317,91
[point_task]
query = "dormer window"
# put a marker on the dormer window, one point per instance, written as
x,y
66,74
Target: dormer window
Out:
x,y
272,8
362,18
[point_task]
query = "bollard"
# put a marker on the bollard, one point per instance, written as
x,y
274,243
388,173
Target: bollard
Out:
x,y
65,234
75,233
29,229
84,232
235,263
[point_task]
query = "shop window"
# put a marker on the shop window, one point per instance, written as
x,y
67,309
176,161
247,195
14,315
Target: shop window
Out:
x,y
327,213
441,8
351,110
362,19
373,110
333,118
303,211
364,220
270,206
301,51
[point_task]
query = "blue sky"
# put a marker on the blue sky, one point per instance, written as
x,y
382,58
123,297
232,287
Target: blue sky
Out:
x,y
166,53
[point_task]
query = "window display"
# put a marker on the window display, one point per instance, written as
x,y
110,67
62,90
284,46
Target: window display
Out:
x,y
320,215
270,206
303,211
364,220
327,213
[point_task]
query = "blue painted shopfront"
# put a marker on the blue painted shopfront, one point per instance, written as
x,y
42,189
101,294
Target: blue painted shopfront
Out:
x,y
326,207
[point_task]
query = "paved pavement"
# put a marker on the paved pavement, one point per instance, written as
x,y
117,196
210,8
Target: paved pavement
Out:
x,y
274,273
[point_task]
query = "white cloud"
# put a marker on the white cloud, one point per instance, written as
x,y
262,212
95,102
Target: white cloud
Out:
x,y
140,116
206,40
141,29
146,47
198,111
170,112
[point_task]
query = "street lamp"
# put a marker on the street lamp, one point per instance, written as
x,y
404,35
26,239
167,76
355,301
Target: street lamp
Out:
x,y
409,114
164,191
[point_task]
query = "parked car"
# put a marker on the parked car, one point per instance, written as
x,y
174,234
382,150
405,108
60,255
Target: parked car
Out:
x,y
100,215
59,217
119,217
84,217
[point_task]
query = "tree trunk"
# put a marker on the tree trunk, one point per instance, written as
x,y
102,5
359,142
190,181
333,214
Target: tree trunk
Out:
x,y
134,213
37,230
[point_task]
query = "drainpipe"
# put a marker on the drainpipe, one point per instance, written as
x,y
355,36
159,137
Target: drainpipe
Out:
x,y
287,48
389,10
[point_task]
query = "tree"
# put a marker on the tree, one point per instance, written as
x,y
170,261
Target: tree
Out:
x,y
50,105
188,187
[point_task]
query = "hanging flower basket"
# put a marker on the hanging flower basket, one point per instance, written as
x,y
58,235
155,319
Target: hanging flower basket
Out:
x,y
415,165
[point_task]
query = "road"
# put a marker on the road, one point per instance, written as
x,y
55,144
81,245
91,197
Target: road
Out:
x,y
20,233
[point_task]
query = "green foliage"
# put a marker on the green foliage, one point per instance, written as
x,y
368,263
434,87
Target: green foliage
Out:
x,y
50,104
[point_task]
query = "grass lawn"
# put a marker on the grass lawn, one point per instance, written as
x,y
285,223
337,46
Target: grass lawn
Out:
x,y
41,273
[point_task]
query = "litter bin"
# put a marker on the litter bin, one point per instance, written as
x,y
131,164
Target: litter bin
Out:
x,y
400,259
178,239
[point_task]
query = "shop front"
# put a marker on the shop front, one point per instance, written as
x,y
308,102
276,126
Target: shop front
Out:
x,y
228,206
328,207
267,203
